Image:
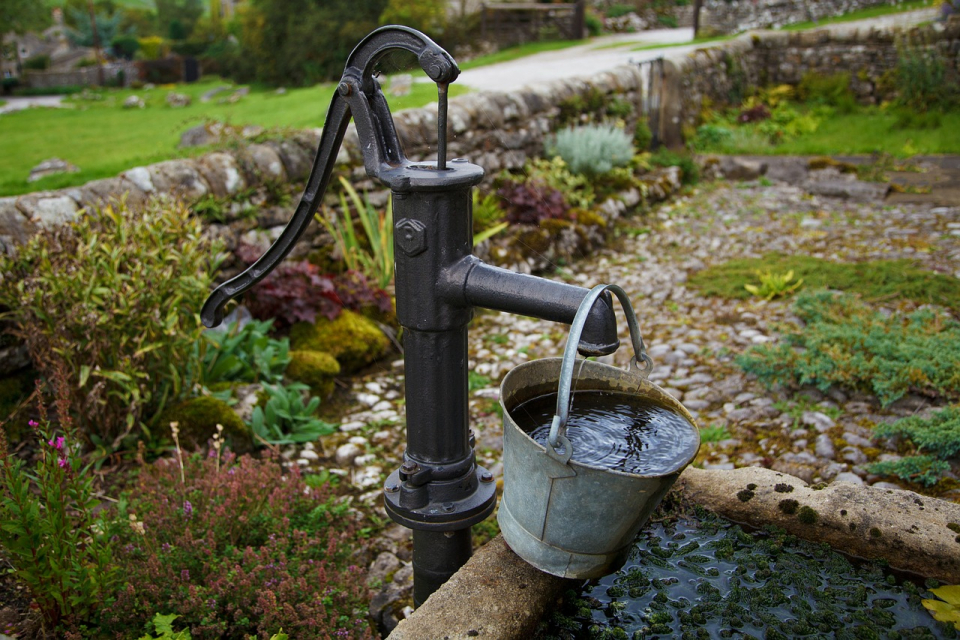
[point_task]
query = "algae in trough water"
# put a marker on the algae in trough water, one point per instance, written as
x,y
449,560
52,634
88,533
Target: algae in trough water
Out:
x,y
707,578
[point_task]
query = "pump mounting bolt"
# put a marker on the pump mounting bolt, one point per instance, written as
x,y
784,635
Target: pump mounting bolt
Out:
x,y
392,488
411,236
344,89
486,476
448,507
409,467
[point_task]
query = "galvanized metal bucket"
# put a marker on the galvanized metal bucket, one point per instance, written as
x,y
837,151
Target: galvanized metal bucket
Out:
x,y
564,517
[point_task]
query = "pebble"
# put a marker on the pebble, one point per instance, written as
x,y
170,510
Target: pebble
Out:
x,y
886,485
819,421
846,476
856,440
309,454
824,447
347,453
853,455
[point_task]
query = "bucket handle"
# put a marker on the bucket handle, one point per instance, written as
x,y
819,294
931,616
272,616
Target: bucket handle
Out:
x,y
557,437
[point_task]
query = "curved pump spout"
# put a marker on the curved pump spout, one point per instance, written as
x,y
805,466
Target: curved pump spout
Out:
x,y
439,491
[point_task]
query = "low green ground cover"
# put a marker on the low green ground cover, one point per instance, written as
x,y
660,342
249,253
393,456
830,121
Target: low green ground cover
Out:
x,y
844,342
821,115
704,577
104,139
873,279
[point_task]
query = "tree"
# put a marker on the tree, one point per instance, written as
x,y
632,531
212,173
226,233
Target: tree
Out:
x,y
83,33
302,42
177,18
428,16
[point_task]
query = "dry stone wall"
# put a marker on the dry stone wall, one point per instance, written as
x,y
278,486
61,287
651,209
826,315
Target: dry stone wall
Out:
x,y
733,16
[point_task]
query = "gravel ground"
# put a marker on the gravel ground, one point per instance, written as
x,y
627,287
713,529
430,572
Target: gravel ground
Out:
x,y
692,340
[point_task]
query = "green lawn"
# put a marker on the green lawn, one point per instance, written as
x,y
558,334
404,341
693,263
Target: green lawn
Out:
x,y
867,131
103,138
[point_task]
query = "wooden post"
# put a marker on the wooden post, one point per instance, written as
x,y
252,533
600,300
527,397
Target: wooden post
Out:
x,y
697,5
579,20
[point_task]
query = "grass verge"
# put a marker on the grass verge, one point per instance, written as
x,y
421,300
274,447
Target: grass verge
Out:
x,y
863,14
103,138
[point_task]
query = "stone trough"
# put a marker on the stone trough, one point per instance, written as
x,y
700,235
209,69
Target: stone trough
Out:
x,y
498,595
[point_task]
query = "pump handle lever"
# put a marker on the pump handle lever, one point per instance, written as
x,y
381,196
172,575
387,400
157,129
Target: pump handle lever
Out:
x,y
358,95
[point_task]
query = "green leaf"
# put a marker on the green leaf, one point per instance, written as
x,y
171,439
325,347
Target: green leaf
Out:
x,y
84,375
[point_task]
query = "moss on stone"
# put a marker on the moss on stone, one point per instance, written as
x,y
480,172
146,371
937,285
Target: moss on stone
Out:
x,y
589,218
875,533
536,240
788,506
782,487
198,418
745,495
806,515
823,162
316,369
353,340
953,526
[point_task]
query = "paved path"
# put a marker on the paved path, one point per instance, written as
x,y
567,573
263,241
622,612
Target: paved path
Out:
x,y
16,103
601,54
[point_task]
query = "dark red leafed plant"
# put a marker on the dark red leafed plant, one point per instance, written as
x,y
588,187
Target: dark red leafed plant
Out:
x,y
293,292
355,291
238,549
532,201
754,114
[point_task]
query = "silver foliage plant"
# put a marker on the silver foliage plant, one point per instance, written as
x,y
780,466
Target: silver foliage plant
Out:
x,y
592,150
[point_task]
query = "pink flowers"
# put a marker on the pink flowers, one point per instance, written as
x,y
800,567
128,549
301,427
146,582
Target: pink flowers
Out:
x,y
33,424
59,444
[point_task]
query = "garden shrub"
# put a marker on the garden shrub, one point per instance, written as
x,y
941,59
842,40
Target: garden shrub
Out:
x,y
532,202
922,79
590,105
284,417
577,189
293,292
592,150
240,548
53,536
831,90
298,292
642,136
243,354
113,299
846,343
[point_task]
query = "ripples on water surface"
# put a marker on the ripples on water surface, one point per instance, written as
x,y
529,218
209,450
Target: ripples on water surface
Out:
x,y
616,431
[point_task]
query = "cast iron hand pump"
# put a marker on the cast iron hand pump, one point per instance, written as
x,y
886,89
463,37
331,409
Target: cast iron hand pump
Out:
x,y
439,491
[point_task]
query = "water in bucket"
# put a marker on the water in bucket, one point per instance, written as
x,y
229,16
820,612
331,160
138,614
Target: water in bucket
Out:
x,y
615,431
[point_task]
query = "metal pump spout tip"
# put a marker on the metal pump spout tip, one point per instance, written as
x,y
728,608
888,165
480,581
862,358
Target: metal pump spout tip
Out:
x,y
599,336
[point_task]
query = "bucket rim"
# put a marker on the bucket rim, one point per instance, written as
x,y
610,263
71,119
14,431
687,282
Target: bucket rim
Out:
x,y
684,412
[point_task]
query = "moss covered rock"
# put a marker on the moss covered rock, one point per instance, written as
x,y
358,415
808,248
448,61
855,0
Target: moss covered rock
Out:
x,y
316,369
355,341
198,419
